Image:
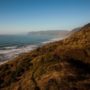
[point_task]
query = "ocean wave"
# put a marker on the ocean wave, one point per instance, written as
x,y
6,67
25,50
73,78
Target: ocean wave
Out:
x,y
13,52
10,47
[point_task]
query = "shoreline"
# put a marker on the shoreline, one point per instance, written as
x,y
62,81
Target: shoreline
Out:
x,y
52,40
6,55
15,52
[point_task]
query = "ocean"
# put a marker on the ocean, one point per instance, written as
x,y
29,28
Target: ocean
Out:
x,y
12,45
22,40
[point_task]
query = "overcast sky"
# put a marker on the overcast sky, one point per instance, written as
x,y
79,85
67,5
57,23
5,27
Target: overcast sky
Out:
x,y
19,16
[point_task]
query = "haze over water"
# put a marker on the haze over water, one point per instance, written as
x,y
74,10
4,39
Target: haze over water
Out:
x,y
21,16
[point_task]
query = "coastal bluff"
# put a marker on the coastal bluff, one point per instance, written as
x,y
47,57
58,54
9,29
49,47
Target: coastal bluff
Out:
x,y
60,65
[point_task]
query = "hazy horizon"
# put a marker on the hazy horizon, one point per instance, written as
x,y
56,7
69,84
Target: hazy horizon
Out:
x,y
22,16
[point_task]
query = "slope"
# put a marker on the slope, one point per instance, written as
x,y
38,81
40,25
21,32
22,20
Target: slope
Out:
x,y
62,65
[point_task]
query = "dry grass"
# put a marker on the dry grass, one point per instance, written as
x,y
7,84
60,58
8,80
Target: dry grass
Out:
x,y
62,65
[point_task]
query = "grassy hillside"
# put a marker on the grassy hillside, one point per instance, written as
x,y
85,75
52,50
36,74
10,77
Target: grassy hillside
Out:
x,y
62,65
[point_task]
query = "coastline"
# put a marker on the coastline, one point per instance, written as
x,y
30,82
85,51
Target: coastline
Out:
x,y
6,55
11,52
52,40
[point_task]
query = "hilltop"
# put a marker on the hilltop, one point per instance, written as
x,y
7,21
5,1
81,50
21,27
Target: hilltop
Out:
x,y
61,65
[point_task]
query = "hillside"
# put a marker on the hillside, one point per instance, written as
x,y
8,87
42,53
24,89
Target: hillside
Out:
x,y
62,65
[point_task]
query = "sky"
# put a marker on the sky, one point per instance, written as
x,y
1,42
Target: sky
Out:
x,y
21,16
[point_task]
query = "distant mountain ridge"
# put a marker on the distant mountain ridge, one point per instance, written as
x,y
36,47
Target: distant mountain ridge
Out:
x,y
50,32
61,65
